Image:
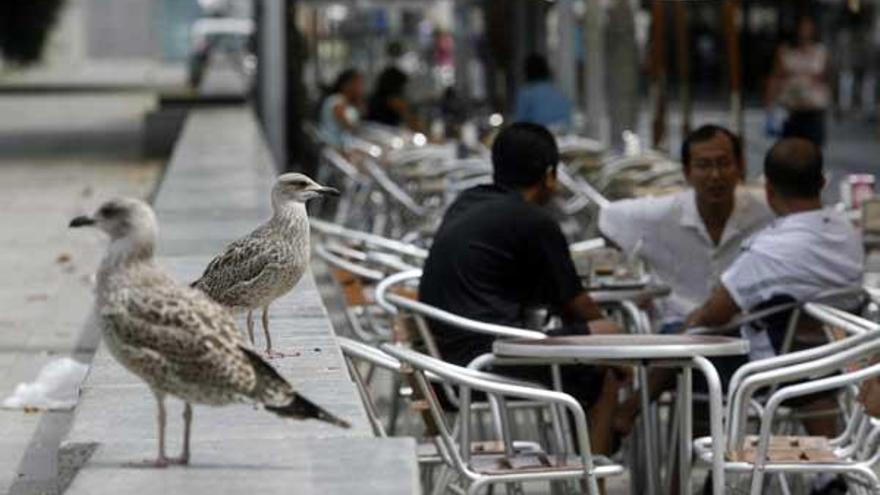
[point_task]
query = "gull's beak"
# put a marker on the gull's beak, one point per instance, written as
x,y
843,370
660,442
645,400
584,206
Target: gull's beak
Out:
x,y
82,221
327,191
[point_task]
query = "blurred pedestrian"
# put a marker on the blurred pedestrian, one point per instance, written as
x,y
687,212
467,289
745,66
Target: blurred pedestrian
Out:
x,y
388,104
539,101
800,83
340,110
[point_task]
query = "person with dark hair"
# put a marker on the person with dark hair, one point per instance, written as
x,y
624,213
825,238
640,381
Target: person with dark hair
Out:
x,y
538,100
800,83
689,238
340,110
499,255
388,105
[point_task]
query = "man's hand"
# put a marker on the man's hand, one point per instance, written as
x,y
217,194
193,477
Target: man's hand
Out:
x,y
603,327
719,309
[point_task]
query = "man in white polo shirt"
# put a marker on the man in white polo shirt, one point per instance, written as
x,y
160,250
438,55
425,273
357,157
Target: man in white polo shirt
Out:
x,y
689,238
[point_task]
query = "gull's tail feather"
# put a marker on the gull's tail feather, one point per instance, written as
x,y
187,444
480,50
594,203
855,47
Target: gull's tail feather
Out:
x,y
301,408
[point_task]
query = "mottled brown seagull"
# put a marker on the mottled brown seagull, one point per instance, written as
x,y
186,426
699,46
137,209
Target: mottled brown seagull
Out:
x,y
267,263
174,337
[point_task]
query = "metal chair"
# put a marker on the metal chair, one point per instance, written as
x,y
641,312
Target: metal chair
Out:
x,y
477,470
429,457
853,454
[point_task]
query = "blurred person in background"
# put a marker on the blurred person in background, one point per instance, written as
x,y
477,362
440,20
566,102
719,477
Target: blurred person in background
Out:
x,y
340,111
388,104
799,83
539,101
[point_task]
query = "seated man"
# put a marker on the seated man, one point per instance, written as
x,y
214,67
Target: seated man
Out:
x,y
689,238
498,254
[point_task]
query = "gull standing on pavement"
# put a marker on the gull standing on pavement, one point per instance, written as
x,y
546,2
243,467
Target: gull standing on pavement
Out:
x,y
174,337
267,263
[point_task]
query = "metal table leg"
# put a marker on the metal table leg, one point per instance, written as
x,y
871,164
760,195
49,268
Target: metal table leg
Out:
x,y
686,434
651,462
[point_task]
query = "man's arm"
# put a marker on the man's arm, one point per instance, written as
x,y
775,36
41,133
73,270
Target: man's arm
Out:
x,y
719,309
583,308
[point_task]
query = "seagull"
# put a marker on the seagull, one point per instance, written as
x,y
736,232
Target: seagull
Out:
x,y
175,338
267,263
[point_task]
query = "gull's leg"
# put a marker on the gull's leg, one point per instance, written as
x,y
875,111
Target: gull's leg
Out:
x,y
160,461
269,352
187,428
250,325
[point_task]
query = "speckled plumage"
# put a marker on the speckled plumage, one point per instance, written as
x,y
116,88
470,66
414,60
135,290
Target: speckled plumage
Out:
x,y
174,337
264,265
179,341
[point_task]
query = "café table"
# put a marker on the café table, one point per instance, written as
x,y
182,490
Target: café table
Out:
x,y
682,352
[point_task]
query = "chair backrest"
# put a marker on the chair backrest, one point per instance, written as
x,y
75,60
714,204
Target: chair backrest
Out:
x,y
581,187
469,380
392,302
345,261
357,237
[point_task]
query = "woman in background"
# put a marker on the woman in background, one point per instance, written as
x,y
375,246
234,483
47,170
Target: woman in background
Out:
x,y
799,83
340,110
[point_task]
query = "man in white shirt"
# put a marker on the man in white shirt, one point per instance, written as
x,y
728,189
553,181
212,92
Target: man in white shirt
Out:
x,y
689,238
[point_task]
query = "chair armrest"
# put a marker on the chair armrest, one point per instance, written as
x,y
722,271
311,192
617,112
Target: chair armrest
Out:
x,y
742,395
824,314
339,262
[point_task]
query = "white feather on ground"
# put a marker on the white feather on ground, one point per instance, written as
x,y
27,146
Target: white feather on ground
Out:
x,y
56,387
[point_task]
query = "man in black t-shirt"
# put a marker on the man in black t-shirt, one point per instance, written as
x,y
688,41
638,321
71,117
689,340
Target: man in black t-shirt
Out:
x,y
498,253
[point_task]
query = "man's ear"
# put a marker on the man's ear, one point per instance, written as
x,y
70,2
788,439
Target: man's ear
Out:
x,y
550,178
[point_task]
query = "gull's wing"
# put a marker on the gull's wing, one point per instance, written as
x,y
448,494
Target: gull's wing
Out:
x,y
243,262
193,338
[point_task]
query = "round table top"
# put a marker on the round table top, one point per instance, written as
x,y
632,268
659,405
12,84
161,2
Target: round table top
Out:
x,y
621,347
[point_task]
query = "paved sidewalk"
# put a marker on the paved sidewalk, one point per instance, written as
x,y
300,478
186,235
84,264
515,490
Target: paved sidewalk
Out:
x,y
59,156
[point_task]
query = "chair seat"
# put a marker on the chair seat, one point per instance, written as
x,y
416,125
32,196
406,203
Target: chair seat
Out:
x,y
538,462
788,450
428,448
